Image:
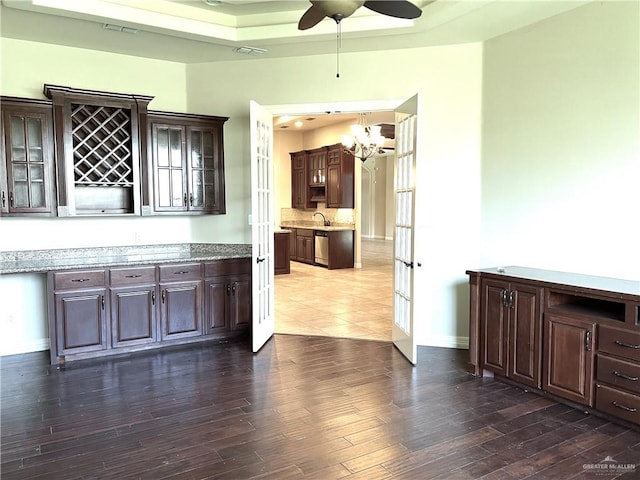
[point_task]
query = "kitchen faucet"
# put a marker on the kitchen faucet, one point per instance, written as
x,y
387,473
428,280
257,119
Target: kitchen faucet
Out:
x,y
326,222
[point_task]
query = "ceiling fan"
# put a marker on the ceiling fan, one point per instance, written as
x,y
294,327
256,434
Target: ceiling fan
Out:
x,y
339,9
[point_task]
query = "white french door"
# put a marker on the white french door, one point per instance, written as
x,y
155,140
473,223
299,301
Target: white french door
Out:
x,y
262,213
403,239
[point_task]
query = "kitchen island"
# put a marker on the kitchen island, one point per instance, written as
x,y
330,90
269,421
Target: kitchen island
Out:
x,y
331,246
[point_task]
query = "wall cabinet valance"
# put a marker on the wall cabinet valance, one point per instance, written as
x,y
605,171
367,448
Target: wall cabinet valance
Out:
x,y
88,152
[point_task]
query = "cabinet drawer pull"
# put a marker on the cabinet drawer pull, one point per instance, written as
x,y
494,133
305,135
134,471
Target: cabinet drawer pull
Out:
x,y
180,272
628,345
626,377
132,276
504,298
628,409
587,341
80,280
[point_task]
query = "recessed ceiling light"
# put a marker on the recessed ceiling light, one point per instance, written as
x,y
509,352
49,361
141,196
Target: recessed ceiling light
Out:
x,y
298,123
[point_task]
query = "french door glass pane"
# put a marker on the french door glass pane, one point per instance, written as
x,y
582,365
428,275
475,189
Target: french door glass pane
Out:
x,y
20,173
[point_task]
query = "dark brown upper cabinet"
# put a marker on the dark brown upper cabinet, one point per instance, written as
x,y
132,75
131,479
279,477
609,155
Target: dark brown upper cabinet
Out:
x,y
340,178
185,164
98,138
27,173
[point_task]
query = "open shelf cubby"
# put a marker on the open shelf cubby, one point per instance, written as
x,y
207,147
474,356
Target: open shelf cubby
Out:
x,y
564,302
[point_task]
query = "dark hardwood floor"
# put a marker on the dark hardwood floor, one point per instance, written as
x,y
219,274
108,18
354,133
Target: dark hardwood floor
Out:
x,y
303,407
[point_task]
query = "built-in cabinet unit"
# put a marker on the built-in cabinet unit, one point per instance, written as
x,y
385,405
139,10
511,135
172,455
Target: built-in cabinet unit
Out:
x,y
97,312
324,174
305,246
281,253
181,297
340,178
574,337
87,152
187,163
227,295
512,329
97,138
340,246
27,182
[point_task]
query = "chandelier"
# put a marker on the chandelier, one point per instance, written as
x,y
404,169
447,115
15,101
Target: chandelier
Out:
x,y
365,140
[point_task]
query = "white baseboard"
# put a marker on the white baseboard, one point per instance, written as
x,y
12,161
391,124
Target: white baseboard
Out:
x,y
37,345
446,342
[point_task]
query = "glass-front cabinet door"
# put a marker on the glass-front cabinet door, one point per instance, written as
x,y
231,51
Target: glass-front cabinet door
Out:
x,y
170,190
28,170
205,169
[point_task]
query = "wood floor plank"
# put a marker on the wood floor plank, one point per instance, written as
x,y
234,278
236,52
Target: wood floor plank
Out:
x,y
301,408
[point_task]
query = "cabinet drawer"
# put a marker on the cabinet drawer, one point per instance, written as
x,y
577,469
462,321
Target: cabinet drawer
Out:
x,y
618,372
623,343
78,279
180,272
227,267
618,403
135,275
304,232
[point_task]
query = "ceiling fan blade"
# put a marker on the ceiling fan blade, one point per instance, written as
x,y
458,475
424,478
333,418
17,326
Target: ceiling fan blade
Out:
x,y
311,17
394,8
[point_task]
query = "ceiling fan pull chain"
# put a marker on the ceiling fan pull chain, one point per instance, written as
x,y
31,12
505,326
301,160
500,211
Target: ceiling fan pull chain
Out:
x,y
338,42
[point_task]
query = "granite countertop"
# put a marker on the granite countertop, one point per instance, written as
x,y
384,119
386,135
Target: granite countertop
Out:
x,y
41,261
317,226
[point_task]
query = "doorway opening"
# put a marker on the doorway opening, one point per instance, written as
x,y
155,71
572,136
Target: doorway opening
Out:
x,y
349,303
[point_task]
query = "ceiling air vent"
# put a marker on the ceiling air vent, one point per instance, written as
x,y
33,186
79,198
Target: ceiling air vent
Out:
x,y
250,50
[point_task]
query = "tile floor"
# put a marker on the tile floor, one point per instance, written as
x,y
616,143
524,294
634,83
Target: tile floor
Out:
x,y
349,303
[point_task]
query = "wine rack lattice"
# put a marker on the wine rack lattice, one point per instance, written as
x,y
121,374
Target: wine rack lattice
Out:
x,y
101,145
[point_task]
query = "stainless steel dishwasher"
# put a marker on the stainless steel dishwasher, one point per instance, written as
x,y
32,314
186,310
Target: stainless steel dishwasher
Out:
x,y
322,248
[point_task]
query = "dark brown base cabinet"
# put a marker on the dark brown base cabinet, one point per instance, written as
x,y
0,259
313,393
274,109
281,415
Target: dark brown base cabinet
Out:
x,y
120,310
574,337
281,253
228,296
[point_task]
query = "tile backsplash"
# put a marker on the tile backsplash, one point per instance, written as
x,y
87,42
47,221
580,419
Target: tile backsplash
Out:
x,y
334,215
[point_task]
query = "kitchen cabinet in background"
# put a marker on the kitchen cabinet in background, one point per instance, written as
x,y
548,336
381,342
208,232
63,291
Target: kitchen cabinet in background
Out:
x,y
340,178
181,297
282,264
227,295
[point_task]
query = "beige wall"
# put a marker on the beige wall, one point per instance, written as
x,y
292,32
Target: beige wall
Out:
x,y
561,144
